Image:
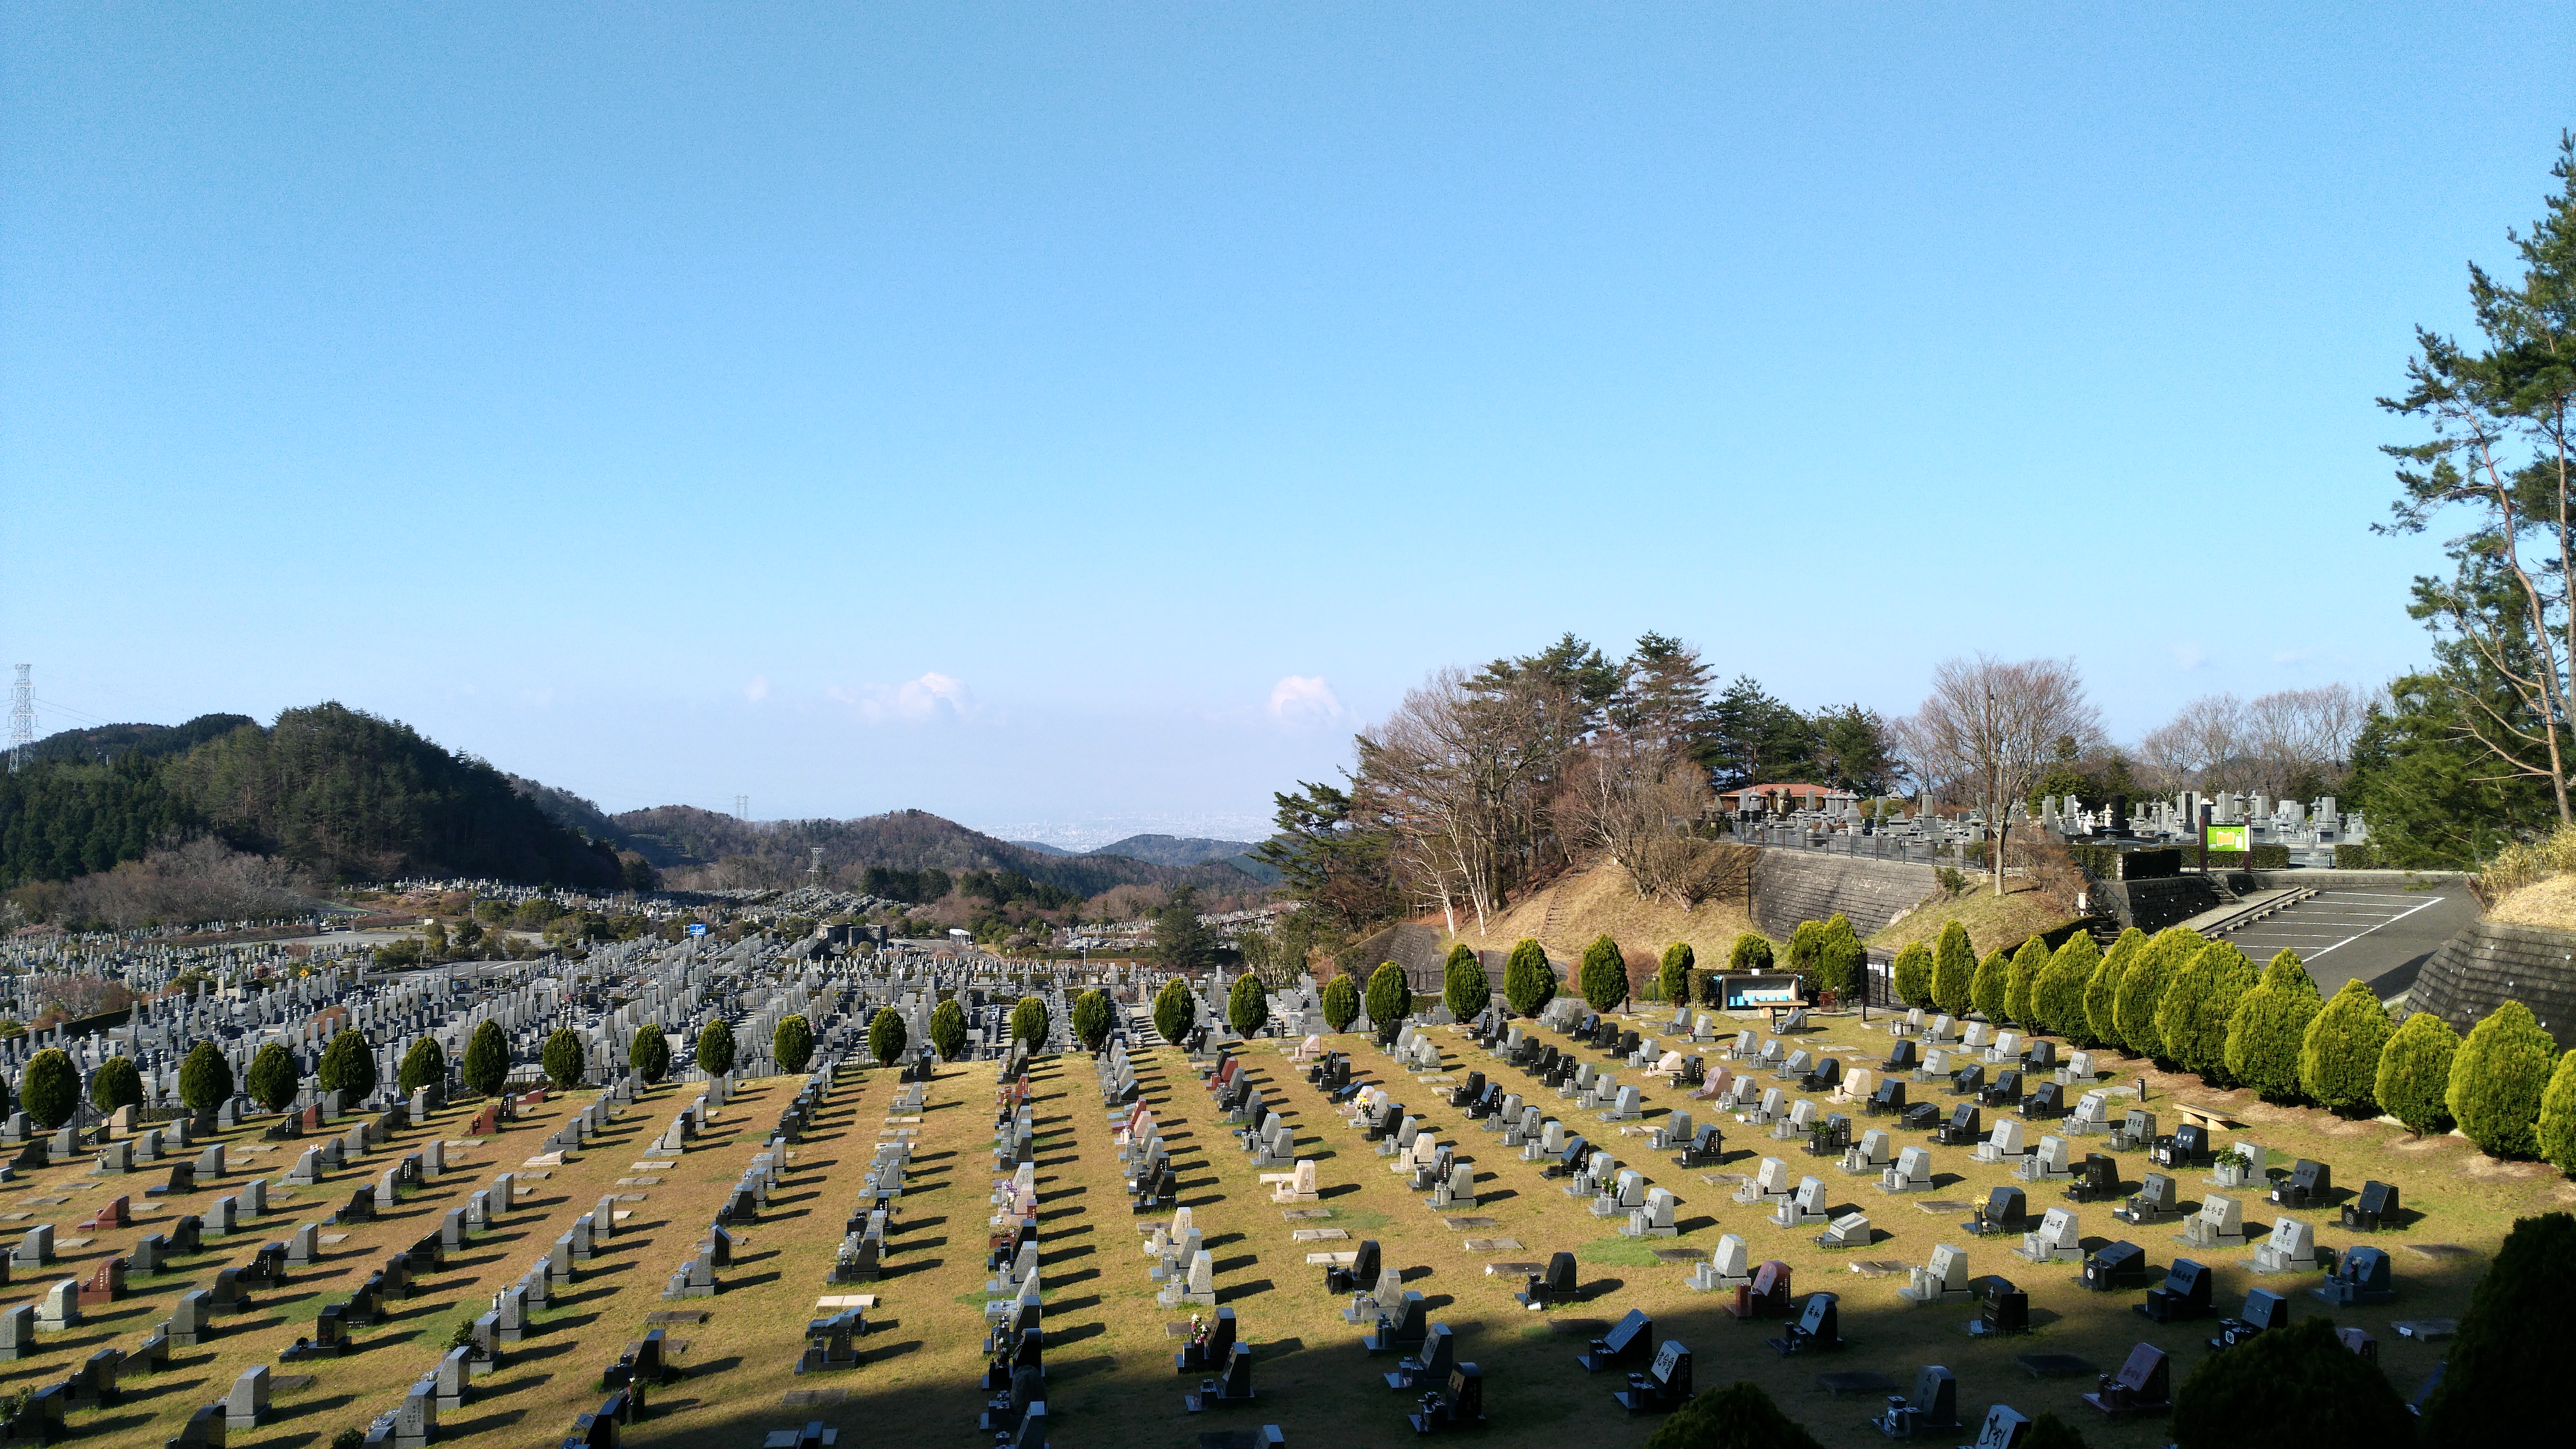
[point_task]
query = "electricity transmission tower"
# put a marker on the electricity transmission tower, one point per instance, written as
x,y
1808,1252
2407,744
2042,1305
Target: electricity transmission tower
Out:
x,y
22,718
742,808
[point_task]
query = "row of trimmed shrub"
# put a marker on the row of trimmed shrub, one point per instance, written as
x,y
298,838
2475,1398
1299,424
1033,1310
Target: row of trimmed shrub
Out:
x,y
2201,1007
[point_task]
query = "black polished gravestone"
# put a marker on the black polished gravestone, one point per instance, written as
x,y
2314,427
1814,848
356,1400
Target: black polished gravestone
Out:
x,y
2117,1267
1631,1338
2006,1210
1360,1275
2377,1204
2004,1311
1890,1097
1664,1386
1555,1285
1933,1405
2096,1180
2144,1385
1430,1364
1234,1388
1818,1329
1460,1406
2308,1186
2183,1295
2263,1311
1200,1355
1404,1330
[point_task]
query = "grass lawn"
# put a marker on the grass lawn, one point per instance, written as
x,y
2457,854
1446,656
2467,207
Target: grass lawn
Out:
x,y
1110,1378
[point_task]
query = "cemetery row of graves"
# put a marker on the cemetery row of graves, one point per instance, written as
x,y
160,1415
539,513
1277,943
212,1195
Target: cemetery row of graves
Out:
x,y
1510,1226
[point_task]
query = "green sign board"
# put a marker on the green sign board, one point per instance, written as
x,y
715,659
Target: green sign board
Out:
x,y
2231,837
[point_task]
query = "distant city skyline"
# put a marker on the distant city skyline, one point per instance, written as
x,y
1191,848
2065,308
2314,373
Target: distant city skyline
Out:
x,y
1087,416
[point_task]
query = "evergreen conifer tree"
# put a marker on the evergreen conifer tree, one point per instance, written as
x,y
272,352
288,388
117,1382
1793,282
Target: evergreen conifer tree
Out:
x,y
791,1043
1030,1021
2558,1117
1390,999
562,1059
1910,978
2021,979
1954,972
650,1053
487,1060
1092,1019
425,1065
272,1077
715,1049
947,1031
2270,1027
1529,983
2497,1079
1342,1002
1986,992
887,1036
2102,990
2057,1001
1463,988
2414,1078
2339,1056
1674,976
1605,975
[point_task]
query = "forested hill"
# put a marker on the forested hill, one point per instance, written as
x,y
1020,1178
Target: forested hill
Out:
x,y
1191,850
680,836
337,792
106,742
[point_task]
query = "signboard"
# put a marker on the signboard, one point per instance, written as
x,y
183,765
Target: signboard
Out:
x,y
697,928
2231,837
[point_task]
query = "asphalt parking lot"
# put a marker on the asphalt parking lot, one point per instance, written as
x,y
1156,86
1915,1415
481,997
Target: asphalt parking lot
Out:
x,y
2381,934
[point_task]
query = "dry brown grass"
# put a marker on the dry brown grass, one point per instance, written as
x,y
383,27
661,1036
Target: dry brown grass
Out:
x,y
2550,902
1599,900
1110,1375
1992,921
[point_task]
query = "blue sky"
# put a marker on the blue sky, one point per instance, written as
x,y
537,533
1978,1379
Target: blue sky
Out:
x,y
1073,419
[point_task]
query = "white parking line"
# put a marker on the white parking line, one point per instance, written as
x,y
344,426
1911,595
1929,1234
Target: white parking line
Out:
x,y
2392,920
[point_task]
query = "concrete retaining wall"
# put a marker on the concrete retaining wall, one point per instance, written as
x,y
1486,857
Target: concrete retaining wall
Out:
x,y
2491,963
1790,886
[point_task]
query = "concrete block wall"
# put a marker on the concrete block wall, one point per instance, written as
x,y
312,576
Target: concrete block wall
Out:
x,y
2491,963
1790,886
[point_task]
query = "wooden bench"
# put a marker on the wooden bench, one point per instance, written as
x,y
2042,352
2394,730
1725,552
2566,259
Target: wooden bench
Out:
x,y
2209,1118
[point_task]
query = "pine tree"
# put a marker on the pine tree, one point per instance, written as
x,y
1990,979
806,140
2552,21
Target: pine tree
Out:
x,y
1092,1019
947,1030
1342,1003
1806,943
2198,1001
1030,1022
2270,1029
1529,983
791,1043
650,1053
2142,989
425,1065
1604,975
487,1060
887,1036
2497,1079
49,1090
2414,1078
2514,1340
1390,999
2021,980
2558,1117
1247,1007
349,1067
1463,988
1739,1416
116,1084
272,1077
1841,961
1674,977
1176,1010
1954,971
2102,990
563,1059
2292,1385
1986,992
1910,978
715,1049
2058,1000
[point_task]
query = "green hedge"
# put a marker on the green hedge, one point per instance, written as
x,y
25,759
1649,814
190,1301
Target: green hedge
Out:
x,y
2357,857
2266,857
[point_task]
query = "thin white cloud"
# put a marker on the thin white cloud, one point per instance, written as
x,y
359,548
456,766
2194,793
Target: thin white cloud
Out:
x,y
1302,698
932,696
758,689
2189,656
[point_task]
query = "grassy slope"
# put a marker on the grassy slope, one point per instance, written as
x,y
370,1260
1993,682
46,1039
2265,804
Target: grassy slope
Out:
x,y
1598,900
1992,920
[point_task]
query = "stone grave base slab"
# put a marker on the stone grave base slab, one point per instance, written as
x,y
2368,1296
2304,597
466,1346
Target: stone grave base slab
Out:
x,y
1493,1245
2426,1330
2056,1366
1460,1225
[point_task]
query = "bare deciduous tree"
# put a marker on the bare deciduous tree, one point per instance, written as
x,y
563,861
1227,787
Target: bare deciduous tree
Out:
x,y
1991,727
1640,800
2273,744
1464,771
